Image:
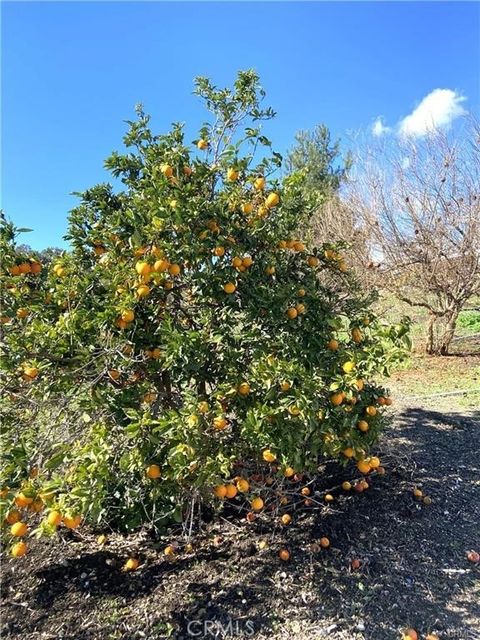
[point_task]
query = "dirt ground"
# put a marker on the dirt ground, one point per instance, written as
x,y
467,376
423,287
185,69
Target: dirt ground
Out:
x,y
413,572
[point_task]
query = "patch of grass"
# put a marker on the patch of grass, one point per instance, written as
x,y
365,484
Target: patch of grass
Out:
x,y
469,321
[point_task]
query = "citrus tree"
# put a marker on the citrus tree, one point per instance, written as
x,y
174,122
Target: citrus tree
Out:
x,y
188,337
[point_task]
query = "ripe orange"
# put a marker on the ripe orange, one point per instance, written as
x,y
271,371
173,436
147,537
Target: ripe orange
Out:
x,y
127,315
312,261
18,529
356,335
220,491
346,486
114,374
417,493
359,384
259,183
14,270
374,462
232,175
272,200
22,313
348,452
72,522
149,398
35,267
220,423
169,551
244,389
153,471
24,267
355,564
292,313
286,518
247,207
289,472
203,407
174,269
167,170
285,386
21,500
388,401
268,456
202,144
231,490
284,555
161,265
381,400
243,485
293,410
332,345
143,268
250,517
427,500
336,399
54,518
363,425
187,171
247,261
363,466
381,471
411,634
257,504
371,411
131,564
329,497
432,636
300,308
229,287
305,491
102,539
143,291
324,543
219,251
19,549
348,366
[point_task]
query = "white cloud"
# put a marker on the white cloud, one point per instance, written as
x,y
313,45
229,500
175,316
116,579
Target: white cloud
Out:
x,y
378,128
437,110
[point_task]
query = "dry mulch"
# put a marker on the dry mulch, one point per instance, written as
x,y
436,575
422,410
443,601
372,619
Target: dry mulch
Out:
x,y
414,570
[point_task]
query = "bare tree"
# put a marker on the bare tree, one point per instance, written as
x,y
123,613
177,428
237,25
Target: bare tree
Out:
x,y
418,199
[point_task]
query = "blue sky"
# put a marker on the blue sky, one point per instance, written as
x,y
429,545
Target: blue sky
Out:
x,y
72,73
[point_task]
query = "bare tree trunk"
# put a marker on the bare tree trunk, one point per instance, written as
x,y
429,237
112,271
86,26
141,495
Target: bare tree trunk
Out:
x,y
430,343
449,330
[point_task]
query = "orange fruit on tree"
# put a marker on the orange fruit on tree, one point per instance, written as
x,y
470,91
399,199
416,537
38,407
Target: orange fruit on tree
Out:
x,y
22,313
289,472
284,555
346,486
169,550
232,175
229,287
114,374
324,542
363,425
174,269
243,485
259,183
272,200
268,456
161,265
293,410
102,539
167,170
244,389
348,452
388,402
286,519
312,261
329,497
35,267
305,491
72,522
127,315
19,549
220,423
257,504
285,386
143,268
202,144
21,500
292,313
153,471
332,345
54,518
300,308
363,466
219,251
247,207
143,291
220,491
356,335
231,491
31,372
371,411
411,634
348,366
359,384
355,564
336,399
18,529
247,261
374,462
472,556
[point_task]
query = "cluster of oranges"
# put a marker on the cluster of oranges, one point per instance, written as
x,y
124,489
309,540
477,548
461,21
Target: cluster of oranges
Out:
x,y
32,266
27,501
